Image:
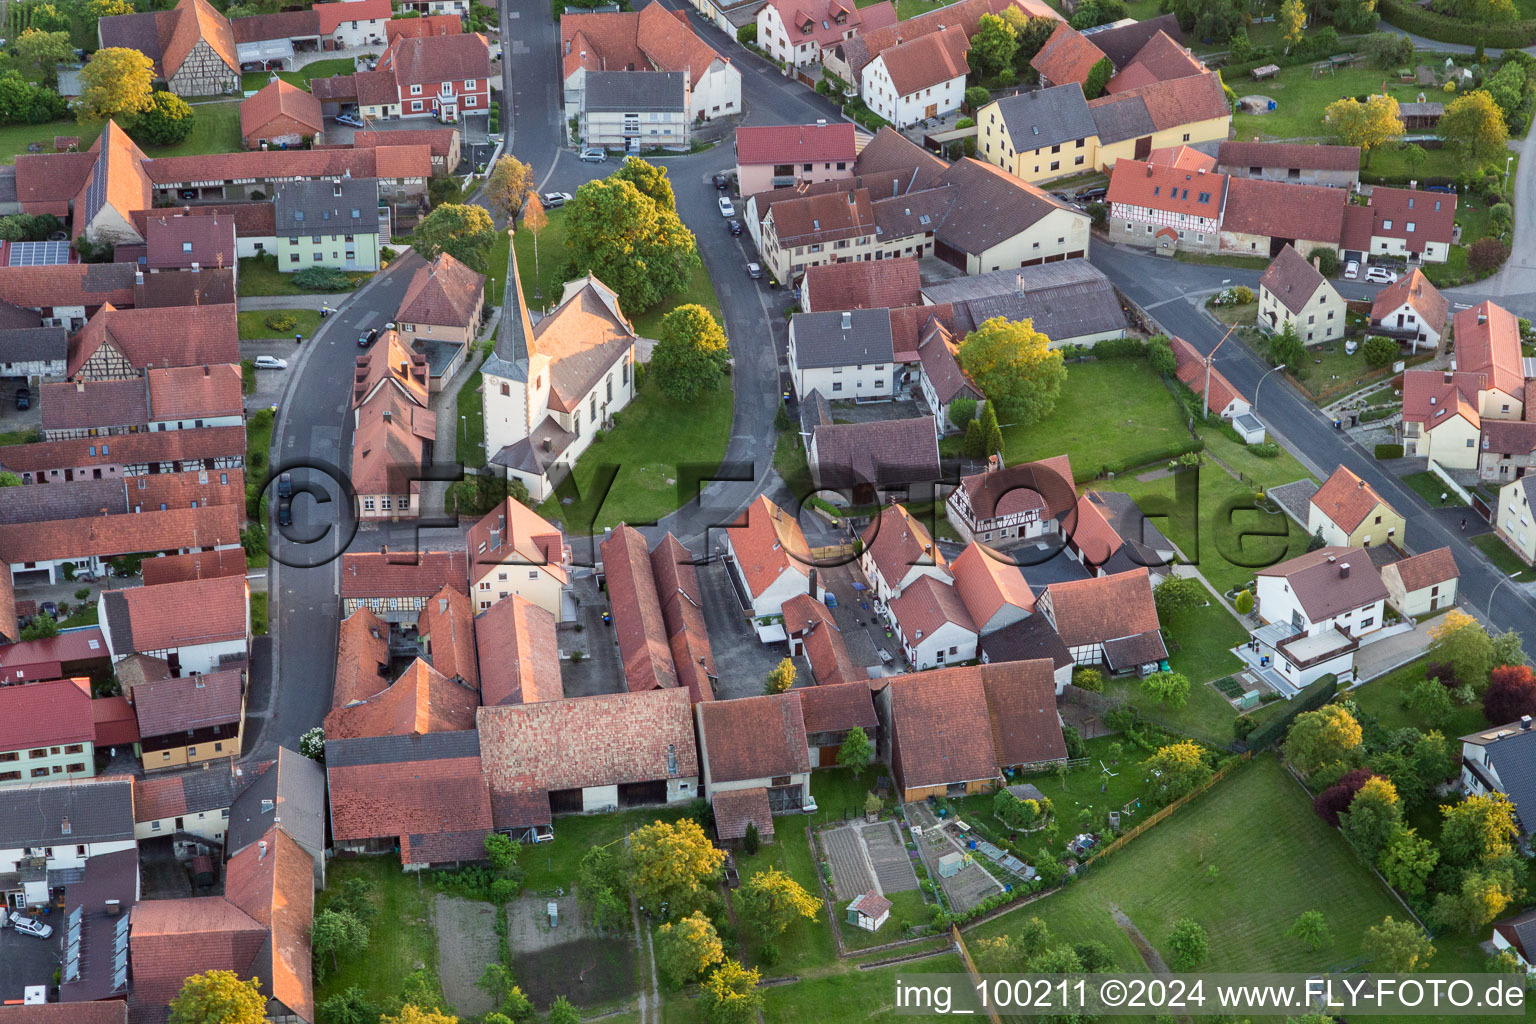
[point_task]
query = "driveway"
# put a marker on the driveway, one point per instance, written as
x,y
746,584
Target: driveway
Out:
x,y
26,961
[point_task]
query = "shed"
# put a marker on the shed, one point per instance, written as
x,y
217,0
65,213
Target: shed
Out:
x,y
950,865
1249,428
869,911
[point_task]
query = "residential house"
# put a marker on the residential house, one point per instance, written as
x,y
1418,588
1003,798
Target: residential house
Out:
x,y
796,35
1039,135
192,804
549,390
587,754
1071,302
649,639
1066,58
1515,935
1108,620
651,39
519,654
1500,760
634,110
154,621
953,731
114,185
401,171
1507,450
756,743
255,226
280,115
1488,343
919,78
290,792
74,653
778,156
1348,513
1422,584
1417,226
514,550
1168,208
50,830
445,631
187,244
96,907
392,445
1216,392
445,77
1174,112
443,143
1298,163
1411,309
1292,291
176,398
427,25
190,720
82,499
1316,608
1018,503
1026,640
121,343
177,451
815,634
423,700
37,551
859,285
1261,216
443,302
992,588
112,1011
1512,521
941,378
862,460
898,551
65,294
36,353
48,731
768,559
334,224
831,712
353,23
1441,418
933,625
395,587
192,46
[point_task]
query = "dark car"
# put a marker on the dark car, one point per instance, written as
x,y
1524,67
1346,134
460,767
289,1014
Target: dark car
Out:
x,y
285,513
23,398
285,486
721,182
367,338
734,226
1092,194
1440,188
49,609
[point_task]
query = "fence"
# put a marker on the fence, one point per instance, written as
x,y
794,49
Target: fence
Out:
x,y
970,968
1162,813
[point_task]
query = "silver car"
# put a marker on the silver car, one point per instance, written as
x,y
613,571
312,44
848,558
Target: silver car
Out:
x,y
31,926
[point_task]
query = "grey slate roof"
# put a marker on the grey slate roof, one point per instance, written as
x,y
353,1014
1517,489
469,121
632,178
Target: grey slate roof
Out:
x,y
28,344
1047,117
608,91
433,746
821,340
814,412
1122,119
314,208
16,318
1069,299
8,183
885,453
1028,638
989,207
1122,42
119,624
529,455
1514,758
296,786
98,811
78,499
514,337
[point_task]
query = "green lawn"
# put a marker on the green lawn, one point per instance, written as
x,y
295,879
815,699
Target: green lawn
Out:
x,y
1429,487
253,323
838,791
1273,859
653,437
253,80
790,463
554,863
1205,638
259,613
850,995
1300,100
28,436
496,280
911,8
1383,698
1505,560
908,909
215,129
808,942
402,938
260,276
471,435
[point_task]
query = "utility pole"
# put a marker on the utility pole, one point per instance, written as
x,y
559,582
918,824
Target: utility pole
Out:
x,y
1205,399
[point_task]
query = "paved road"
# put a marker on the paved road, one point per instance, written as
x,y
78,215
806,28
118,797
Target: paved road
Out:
x,y
1298,424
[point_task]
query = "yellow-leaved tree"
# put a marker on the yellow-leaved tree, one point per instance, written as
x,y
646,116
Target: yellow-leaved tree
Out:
x,y
1367,125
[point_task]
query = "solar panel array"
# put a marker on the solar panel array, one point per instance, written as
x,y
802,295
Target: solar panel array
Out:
x,y
72,946
38,254
120,954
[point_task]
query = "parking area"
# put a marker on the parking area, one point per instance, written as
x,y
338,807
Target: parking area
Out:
x,y
269,383
741,661
12,418
599,669
25,960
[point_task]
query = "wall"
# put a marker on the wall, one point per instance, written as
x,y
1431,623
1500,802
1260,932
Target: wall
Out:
x,y
532,583
658,128
208,824
753,179
1452,443
361,253
1135,225
925,653
1060,234
997,146
1514,521
717,93
54,762
838,383
1217,129
1333,179
1494,404
1405,317
879,93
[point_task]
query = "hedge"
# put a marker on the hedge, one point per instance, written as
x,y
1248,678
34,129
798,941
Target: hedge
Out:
x,y
1419,21
1118,466
1310,699
1389,451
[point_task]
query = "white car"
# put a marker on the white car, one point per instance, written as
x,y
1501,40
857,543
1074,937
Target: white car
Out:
x,y
754,271
351,120
31,926
726,209
270,363
1380,275
553,200
1351,270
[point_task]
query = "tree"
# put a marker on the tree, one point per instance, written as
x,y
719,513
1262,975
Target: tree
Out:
x,y
1170,688
672,863
652,181
751,842
1090,679
497,982
600,881
1511,693
1508,649
1367,125
1507,87
1216,20
1480,829
350,1006
977,96
1015,368
115,82
1484,895
42,627
46,17
620,235
1325,736
1032,35
991,432
219,997
508,186
1098,77
1178,594
1293,22
502,851
562,1012
1243,602
687,948
1160,356
857,751
993,46
1465,645
1335,800
333,931
108,8
535,220
1311,930
1429,701
312,744
781,678
1397,947
463,232
44,51
975,442
1373,816
1379,351
410,1013
1189,944
1475,125
730,994
1487,254
1434,758
1414,156
691,353
1183,769
1407,861
165,122
773,901
1286,349
961,412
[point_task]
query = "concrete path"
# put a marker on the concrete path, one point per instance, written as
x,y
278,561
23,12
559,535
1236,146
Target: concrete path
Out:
x,y
1377,659
331,301
446,408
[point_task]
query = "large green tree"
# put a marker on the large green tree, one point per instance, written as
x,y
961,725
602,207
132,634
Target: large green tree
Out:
x,y
464,232
652,181
1464,644
1368,125
1372,817
690,355
1397,947
1189,944
623,237
857,751
1407,861
508,186
730,994
672,863
1016,368
115,82
773,901
687,948
165,122
1326,736
1483,897
1170,689
993,45
1480,829
1179,768
1475,125
218,997
44,51
332,932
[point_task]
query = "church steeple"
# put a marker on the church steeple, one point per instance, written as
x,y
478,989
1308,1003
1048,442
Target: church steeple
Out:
x,y
514,336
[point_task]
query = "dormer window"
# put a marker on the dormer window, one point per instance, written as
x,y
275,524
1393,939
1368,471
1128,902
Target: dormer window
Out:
x,y
415,90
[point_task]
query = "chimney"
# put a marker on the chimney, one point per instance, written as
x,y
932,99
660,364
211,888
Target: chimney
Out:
x,y
1200,171
847,321
196,267
261,850
79,387
1482,318
1343,570
205,370
1360,484
1525,723
112,908
1317,261
1149,169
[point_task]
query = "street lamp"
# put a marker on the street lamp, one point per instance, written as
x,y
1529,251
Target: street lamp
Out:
x,y
1507,161
1502,580
464,427
1260,384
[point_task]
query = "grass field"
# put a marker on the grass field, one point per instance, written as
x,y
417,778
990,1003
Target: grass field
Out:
x,y
1244,861
808,942
259,613
1505,560
470,439
262,277
253,323
1429,487
846,996
402,937
27,436
253,80
1383,698
215,129
1300,100
554,863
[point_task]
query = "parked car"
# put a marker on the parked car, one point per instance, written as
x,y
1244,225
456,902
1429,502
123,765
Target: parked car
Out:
x,y
552,200
1440,188
726,209
1351,270
23,397
1092,194
284,512
49,609
285,486
721,182
352,120
734,226
270,363
593,156
31,926
367,338
754,271
189,193
1380,275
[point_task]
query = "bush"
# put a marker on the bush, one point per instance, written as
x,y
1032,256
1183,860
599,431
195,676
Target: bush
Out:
x,y
1389,451
747,34
1487,254
1379,351
1265,450
1090,679
1410,17
282,322
167,122
977,97
323,279
1328,261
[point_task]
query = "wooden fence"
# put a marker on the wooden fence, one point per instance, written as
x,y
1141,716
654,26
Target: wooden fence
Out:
x,y
1162,813
970,968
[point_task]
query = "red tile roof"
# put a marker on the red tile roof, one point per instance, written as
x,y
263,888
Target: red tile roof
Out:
x,y
768,542
174,706
1170,189
445,796
1431,396
753,738
448,622
439,140
1279,208
514,533
927,61
199,565
1046,485
1092,611
402,574
255,219
31,660
519,654
795,143
1412,289
1184,158
896,542
1488,342
986,583
115,722
1092,535
1191,373
1432,214
429,60
422,700
394,361
51,179
279,98
445,293
197,21
637,620
654,39
838,707
1426,570
156,618
927,605
812,622
109,536
1160,59
682,609
46,714
967,14
1302,156
390,444
176,336
379,162
332,15
912,325
1346,499
68,284
273,880
428,25
1510,437
1067,56
176,938
125,449
362,658
735,808
195,392
862,285
1177,102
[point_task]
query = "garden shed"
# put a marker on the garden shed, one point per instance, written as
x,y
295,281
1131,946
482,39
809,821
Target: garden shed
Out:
x,y
869,911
